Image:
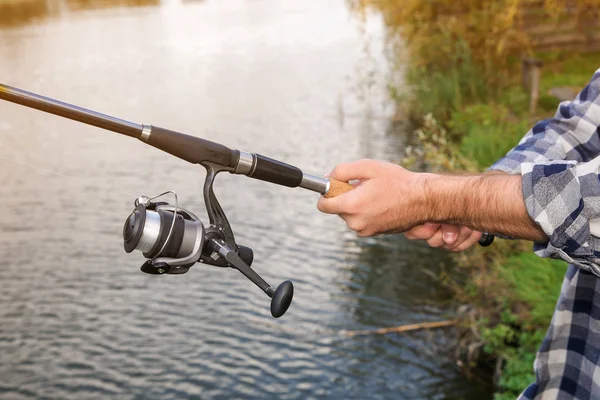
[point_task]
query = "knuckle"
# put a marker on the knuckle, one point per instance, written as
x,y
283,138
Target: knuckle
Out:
x,y
423,236
366,162
463,246
339,170
336,170
363,233
356,225
427,233
434,242
466,231
352,225
412,233
450,229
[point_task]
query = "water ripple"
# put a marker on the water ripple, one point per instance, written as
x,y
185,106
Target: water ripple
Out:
x,y
79,320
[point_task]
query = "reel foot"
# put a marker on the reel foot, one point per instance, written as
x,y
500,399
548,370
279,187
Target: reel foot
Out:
x,y
162,268
158,269
282,298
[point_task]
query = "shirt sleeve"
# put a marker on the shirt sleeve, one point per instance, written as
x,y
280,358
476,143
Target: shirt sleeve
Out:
x,y
572,134
559,160
563,198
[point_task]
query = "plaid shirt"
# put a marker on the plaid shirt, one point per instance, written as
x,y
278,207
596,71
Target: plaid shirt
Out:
x,y
559,160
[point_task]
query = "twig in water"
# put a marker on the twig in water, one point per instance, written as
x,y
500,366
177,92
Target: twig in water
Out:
x,y
402,328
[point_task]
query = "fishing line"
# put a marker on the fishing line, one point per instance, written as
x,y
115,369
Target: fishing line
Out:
x,y
79,180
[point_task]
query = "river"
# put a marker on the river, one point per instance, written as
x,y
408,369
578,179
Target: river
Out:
x,y
300,81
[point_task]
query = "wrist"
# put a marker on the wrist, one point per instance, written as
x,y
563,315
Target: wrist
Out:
x,y
425,204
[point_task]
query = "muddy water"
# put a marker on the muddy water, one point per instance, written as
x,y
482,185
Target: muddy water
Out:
x,y
299,81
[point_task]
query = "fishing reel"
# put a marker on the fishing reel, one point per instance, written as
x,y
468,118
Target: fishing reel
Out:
x,y
173,239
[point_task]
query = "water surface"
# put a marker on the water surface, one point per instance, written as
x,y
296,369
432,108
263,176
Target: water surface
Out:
x,y
298,81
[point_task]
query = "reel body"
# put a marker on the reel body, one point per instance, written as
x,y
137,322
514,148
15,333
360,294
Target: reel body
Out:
x,y
173,239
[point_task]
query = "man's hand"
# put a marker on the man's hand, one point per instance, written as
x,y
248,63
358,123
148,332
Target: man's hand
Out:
x,y
388,199
449,237
391,199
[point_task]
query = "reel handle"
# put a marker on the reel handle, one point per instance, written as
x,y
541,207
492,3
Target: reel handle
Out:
x,y
337,188
281,298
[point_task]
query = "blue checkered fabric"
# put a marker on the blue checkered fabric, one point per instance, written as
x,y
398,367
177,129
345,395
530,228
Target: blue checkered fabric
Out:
x,y
559,160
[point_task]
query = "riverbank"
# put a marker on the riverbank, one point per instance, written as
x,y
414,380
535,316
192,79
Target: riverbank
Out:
x,y
524,288
511,293
467,99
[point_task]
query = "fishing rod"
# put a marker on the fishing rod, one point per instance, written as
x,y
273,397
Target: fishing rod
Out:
x,y
171,238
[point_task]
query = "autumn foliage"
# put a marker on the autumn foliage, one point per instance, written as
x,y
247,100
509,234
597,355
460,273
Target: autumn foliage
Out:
x,y
493,32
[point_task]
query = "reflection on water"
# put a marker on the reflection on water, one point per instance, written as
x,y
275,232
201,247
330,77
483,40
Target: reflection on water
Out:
x,y
78,319
98,4
19,12
390,283
381,275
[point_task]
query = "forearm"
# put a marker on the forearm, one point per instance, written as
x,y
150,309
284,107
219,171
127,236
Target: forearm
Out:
x,y
484,202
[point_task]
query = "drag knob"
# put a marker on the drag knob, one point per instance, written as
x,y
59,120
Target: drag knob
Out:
x,y
134,228
282,298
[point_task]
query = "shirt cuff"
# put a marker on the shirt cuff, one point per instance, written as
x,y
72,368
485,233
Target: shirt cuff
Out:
x,y
554,200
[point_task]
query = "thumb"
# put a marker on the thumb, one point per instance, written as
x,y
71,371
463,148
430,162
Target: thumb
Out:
x,y
362,169
450,233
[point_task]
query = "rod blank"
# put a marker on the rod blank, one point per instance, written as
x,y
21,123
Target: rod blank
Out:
x,y
70,111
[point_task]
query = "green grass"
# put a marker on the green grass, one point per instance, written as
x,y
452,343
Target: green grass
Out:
x,y
568,70
440,90
486,132
535,283
572,71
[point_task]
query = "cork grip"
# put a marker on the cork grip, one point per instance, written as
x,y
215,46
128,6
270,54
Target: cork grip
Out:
x,y
338,187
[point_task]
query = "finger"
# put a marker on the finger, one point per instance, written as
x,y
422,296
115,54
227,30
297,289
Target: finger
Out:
x,y
436,240
475,236
422,232
450,233
463,234
361,169
333,205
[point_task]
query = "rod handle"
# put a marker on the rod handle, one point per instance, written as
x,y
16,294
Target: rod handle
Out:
x,y
338,187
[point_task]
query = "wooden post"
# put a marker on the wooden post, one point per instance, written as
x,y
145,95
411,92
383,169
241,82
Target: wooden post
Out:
x,y
531,73
536,71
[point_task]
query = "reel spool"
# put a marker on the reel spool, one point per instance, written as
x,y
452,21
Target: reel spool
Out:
x,y
173,239
169,237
